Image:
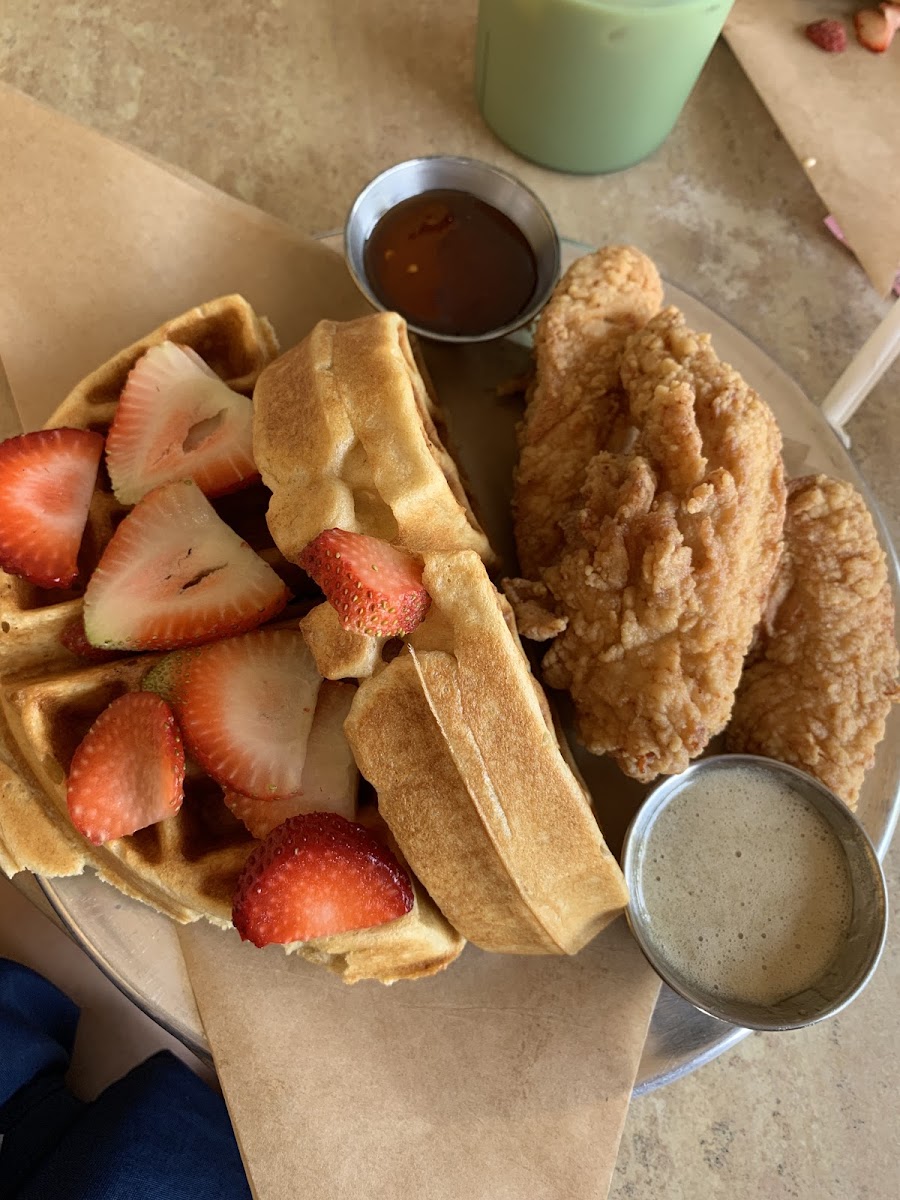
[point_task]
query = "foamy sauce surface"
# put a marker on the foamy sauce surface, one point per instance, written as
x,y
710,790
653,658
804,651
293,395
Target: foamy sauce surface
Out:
x,y
747,886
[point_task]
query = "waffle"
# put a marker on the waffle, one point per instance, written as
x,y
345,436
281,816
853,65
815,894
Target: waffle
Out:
x,y
456,737
185,867
348,434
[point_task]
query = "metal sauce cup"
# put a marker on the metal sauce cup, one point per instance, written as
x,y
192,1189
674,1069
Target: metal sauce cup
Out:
x,y
857,957
487,183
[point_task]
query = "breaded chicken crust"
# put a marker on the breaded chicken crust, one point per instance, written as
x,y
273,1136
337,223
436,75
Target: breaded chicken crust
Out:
x,y
822,677
668,558
576,404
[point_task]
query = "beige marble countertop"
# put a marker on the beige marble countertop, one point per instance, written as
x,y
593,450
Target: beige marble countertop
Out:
x,y
292,106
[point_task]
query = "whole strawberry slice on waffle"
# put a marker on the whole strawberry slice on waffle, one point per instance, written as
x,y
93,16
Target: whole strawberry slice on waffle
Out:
x,y
315,875
46,484
176,419
128,772
375,588
246,709
174,574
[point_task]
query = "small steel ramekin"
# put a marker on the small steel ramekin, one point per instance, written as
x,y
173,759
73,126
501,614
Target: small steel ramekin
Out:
x,y
850,970
495,187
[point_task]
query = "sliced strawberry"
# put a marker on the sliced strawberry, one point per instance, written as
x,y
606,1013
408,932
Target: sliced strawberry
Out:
x,y
246,708
129,770
330,779
167,675
891,11
176,419
175,575
875,28
315,875
74,638
374,587
46,483
262,816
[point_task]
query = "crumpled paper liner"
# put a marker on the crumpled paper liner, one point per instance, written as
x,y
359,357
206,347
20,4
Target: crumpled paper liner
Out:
x,y
840,114
500,1078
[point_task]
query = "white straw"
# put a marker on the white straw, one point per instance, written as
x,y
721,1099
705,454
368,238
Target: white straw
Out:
x,y
863,372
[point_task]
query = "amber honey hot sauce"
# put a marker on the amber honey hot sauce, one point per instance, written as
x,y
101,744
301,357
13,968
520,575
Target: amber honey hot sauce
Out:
x,y
451,263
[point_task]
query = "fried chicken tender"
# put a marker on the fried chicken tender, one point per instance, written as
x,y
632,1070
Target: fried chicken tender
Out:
x,y
669,556
820,681
576,404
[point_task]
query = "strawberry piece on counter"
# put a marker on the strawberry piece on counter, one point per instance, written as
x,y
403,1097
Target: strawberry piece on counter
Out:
x,y
828,34
315,875
174,575
375,588
875,27
46,483
128,772
330,778
246,708
176,419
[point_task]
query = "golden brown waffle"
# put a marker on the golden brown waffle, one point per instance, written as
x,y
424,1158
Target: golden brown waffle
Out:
x,y
237,344
348,434
456,737
187,866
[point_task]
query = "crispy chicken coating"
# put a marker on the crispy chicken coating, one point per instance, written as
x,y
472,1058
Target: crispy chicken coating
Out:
x,y
576,405
821,679
668,557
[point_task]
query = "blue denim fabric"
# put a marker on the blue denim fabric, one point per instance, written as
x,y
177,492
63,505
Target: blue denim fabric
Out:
x,y
157,1134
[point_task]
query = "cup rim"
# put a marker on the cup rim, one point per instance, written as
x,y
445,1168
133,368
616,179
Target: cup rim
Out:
x,y
656,799
477,166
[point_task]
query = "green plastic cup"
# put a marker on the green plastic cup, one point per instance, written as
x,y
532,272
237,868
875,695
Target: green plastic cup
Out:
x,y
590,86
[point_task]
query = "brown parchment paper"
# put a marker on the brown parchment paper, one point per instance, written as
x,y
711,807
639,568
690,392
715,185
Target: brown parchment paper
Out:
x,y
840,114
502,1077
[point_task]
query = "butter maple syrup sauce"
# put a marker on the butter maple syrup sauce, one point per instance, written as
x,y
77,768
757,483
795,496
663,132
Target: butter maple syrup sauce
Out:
x,y
451,263
748,887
